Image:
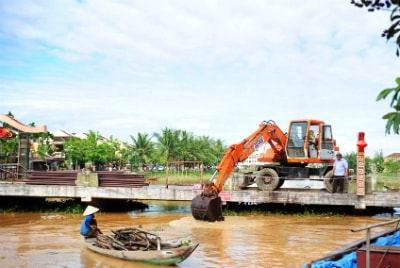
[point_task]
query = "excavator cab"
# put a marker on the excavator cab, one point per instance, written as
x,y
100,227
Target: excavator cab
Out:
x,y
310,140
297,139
327,149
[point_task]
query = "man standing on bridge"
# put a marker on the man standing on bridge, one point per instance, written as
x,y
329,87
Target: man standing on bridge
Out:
x,y
340,172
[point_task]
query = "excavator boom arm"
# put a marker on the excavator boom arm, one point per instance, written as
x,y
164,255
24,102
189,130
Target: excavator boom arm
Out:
x,y
207,206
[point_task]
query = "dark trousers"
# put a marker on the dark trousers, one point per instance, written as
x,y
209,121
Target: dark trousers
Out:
x,y
338,184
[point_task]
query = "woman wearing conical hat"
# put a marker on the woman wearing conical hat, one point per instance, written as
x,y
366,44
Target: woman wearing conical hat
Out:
x,y
89,224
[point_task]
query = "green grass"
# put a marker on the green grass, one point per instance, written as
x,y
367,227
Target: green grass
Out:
x,y
70,206
389,180
178,178
190,178
280,209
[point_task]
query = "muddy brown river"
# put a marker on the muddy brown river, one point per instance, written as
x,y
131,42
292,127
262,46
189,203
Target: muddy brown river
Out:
x,y
53,239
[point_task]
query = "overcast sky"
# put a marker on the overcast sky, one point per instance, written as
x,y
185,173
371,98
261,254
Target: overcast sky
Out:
x,y
212,68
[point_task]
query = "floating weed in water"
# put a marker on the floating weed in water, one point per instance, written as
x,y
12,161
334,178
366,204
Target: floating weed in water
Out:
x,y
186,242
158,228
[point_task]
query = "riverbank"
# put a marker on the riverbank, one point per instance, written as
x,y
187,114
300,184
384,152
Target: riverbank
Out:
x,y
75,206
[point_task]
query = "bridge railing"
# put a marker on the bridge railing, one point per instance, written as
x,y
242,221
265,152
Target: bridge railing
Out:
x,y
9,171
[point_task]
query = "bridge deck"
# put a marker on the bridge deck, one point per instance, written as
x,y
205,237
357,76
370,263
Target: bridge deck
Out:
x,y
284,196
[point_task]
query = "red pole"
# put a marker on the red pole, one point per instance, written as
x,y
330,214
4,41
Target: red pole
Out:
x,y
361,144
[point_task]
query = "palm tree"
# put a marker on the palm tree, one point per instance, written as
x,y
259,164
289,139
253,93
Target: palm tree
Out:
x,y
168,142
218,150
208,150
143,148
185,150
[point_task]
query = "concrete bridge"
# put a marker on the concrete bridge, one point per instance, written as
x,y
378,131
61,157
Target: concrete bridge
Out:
x,y
175,193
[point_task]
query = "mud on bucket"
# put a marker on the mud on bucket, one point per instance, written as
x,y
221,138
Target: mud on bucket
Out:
x,y
207,208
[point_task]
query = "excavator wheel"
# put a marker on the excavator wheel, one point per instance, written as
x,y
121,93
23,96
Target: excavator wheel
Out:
x,y
207,208
281,182
268,180
328,181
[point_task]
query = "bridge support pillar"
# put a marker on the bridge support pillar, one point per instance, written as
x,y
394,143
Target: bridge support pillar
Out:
x,y
24,153
361,203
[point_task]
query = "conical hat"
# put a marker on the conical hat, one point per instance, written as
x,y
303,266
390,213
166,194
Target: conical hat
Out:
x,y
90,210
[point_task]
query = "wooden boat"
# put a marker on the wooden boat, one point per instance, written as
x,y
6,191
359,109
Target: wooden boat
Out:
x,y
141,246
366,252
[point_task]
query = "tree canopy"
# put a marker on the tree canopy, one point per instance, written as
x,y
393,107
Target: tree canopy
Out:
x,y
393,31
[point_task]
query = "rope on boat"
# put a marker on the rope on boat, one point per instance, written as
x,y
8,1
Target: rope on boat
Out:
x,y
131,239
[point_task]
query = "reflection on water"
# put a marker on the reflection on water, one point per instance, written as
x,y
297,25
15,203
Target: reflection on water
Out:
x,y
163,207
53,240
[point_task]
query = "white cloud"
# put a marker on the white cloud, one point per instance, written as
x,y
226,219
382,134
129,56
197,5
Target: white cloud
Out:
x,y
215,68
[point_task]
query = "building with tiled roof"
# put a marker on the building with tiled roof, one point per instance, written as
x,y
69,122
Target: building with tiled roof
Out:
x,y
394,156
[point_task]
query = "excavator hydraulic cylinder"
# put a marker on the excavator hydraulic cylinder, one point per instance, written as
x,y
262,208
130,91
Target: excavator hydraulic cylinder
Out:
x,y
207,208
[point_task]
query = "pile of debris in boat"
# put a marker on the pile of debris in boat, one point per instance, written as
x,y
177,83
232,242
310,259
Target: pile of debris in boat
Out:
x,y
135,239
135,244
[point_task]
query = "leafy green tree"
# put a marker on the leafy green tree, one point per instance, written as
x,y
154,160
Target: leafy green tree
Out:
x,y
392,166
44,150
218,150
74,152
90,146
186,150
143,148
109,152
8,147
378,161
185,146
393,118
352,161
41,138
81,151
167,144
44,141
125,153
206,151
393,31
368,165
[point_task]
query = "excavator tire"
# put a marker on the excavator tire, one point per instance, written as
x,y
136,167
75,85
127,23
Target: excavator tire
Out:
x,y
207,208
268,180
281,182
328,181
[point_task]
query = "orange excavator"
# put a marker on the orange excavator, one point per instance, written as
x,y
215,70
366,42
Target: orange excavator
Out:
x,y
306,150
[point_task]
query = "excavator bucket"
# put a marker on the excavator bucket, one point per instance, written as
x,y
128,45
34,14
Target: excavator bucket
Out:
x,y
207,208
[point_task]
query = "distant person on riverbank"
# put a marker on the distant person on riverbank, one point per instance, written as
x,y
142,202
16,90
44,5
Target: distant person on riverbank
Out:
x,y
89,224
340,172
